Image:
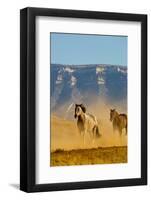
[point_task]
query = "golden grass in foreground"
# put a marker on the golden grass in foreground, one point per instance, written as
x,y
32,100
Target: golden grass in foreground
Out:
x,y
105,155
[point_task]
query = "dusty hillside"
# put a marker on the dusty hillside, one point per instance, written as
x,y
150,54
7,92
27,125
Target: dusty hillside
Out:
x,y
64,135
67,146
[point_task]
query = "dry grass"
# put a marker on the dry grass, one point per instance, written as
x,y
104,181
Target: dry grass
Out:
x,y
105,155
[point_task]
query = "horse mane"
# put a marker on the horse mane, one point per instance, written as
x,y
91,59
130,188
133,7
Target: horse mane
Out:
x,y
123,115
83,108
119,114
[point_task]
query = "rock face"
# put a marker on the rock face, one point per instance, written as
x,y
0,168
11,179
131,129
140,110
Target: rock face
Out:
x,y
84,83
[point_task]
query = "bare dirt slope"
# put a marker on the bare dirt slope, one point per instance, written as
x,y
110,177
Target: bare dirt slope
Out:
x,y
67,146
64,135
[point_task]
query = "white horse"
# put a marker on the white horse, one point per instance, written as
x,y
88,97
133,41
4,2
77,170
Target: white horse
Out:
x,y
86,123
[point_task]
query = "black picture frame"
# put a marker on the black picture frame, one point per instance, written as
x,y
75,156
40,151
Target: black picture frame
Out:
x,y
28,99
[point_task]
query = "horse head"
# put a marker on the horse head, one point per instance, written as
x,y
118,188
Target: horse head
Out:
x,y
112,114
79,108
83,108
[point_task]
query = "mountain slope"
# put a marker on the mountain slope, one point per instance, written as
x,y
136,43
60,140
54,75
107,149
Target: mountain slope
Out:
x,y
87,83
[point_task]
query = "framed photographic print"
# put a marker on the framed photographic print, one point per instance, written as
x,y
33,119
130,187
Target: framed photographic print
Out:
x,y
83,99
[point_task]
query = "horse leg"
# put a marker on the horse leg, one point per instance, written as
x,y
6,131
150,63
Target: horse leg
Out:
x,y
120,131
84,132
93,135
114,129
120,135
126,130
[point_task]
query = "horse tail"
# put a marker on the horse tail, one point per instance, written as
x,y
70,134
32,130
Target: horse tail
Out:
x,y
97,132
126,125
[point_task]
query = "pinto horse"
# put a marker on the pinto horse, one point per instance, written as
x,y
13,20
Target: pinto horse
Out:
x,y
86,123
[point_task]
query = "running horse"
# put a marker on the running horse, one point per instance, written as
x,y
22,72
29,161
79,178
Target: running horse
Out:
x,y
119,121
86,123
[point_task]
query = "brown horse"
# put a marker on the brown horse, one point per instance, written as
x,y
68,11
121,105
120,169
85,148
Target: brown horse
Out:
x,y
119,121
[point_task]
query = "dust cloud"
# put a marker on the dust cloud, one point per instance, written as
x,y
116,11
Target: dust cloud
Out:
x,y
64,133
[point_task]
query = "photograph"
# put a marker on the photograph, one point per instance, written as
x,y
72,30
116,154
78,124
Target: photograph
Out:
x,y
88,99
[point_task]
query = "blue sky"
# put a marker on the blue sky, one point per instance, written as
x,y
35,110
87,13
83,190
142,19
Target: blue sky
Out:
x,y
88,49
